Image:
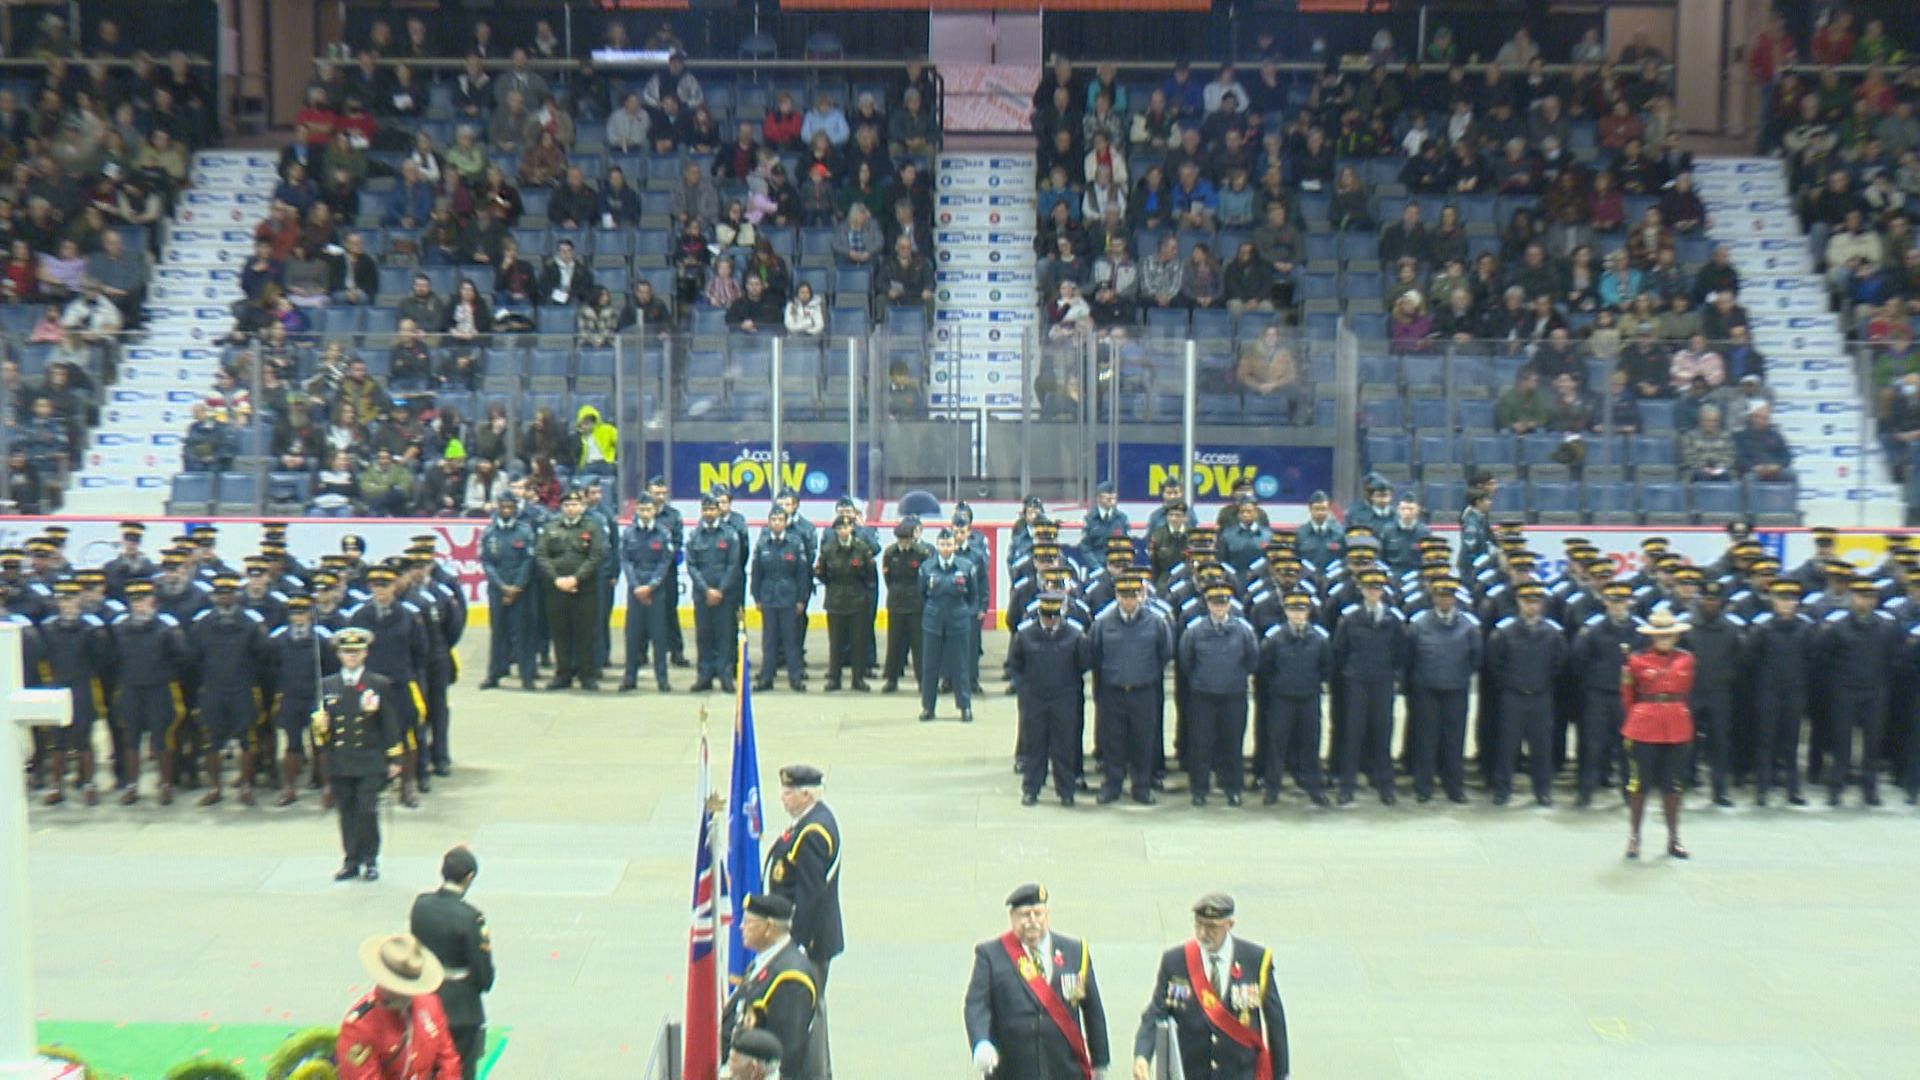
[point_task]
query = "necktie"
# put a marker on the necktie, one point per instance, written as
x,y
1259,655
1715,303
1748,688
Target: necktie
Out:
x,y
1039,965
1213,973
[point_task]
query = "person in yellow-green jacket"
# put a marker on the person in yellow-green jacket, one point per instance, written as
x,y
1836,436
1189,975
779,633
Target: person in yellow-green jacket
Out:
x,y
599,443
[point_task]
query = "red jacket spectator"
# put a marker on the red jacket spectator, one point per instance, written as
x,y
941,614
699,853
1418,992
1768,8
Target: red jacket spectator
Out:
x,y
782,129
1772,50
320,122
1833,43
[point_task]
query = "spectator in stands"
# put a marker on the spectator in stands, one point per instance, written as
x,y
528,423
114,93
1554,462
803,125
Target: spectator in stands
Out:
x,y
1679,321
511,129
514,280
702,134
1162,277
385,486
805,316
1572,410
695,196
1852,250
595,324
1718,318
206,447
675,82
1743,360
755,311
544,162
359,394
644,306
573,204
825,118
1202,284
443,487
1761,452
1706,451
911,130
1249,282
298,444
1697,360
473,94
1409,327
1522,408
63,273
481,239
599,443
411,359
858,241
1405,238
1351,209
907,278
422,306
628,128
20,277
307,278
565,279
1068,316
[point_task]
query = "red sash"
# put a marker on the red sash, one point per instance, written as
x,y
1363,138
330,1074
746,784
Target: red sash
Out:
x,y
1228,1024
1050,1002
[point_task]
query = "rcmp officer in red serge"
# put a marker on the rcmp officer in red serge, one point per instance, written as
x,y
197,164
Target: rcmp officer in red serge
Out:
x,y
1220,993
779,992
1658,730
803,868
398,1031
1033,1005
358,723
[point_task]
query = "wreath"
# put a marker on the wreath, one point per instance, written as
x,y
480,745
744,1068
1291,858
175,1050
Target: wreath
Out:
x,y
61,1053
205,1069
310,1047
314,1070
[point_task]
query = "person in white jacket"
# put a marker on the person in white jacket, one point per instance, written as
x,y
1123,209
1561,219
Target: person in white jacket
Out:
x,y
1852,249
805,316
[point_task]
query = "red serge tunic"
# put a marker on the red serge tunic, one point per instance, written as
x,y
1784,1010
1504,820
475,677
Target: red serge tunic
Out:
x,y
1653,690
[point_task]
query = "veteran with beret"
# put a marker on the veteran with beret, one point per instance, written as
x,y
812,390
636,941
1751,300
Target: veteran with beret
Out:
x,y
1221,994
1033,1007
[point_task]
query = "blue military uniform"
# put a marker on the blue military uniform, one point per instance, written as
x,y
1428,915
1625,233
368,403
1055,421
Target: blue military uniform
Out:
x,y
1218,656
1781,656
950,600
1443,653
1523,660
1368,655
1857,655
647,551
1049,664
1130,656
1294,664
1600,650
506,556
714,563
782,582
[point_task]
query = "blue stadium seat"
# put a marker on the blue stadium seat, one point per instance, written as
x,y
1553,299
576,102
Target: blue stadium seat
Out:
x,y
1475,415
1219,408
1381,414
1664,502
396,280
1473,372
1718,502
907,320
595,363
1444,498
1424,369
708,321
1539,447
1368,326
1435,449
1652,450
1656,416
1322,326
852,284
1360,245
1494,450
1774,503
1323,251
548,363
847,321
1379,370
1557,497
534,201
1319,285
555,320
1509,500
1387,450
1610,502
1212,324
1429,413
1360,285
1170,323
191,494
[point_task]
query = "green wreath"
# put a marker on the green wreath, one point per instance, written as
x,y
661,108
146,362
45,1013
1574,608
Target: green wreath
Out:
x,y
61,1053
314,1070
205,1069
311,1046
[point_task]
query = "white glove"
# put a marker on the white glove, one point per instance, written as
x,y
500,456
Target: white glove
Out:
x,y
985,1057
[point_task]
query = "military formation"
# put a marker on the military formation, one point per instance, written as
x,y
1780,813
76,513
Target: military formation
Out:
x,y
1378,634
276,677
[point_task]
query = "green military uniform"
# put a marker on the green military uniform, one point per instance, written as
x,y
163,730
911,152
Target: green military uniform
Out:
x,y
572,549
847,570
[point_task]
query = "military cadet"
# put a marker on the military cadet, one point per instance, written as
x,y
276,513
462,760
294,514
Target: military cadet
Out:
x,y
77,654
1218,653
1049,659
1444,647
206,555
1170,493
973,546
58,564
274,534
507,558
1812,574
717,574
150,660
1167,543
329,596
131,563
1132,646
1600,649
569,554
1858,650
398,1030
1369,650
809,536
1781,655
301,655
1716,640
1104,520
1242,542
1296,659
17,591
228,646
736,521
1658,729
398,653
353,574
1524,656
670,520
949,592
900,564
258,595
1476,532
1400,536
647,550
782,581
846,570
780,991
456,933
360,727
1033,1005
1221,995
537,517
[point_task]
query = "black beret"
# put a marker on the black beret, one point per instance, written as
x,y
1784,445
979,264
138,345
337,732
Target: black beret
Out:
x,y
1027,896
767,906
800,776
1214,905
758,1044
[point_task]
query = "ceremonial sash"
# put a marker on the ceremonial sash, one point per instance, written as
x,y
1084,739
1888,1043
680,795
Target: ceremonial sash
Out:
x,y
1228,1024
1050,1003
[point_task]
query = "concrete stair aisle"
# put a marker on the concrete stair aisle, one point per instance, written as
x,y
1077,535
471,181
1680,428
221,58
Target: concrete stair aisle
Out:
x,y
1821,407
136,451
